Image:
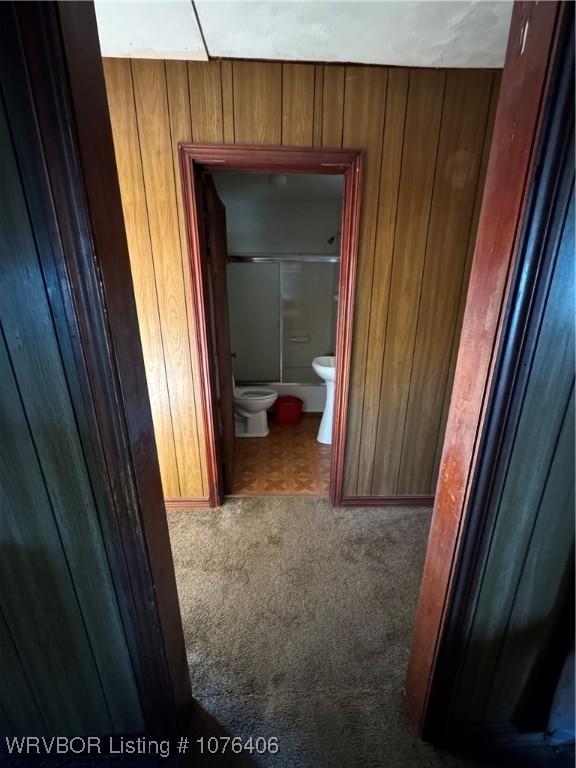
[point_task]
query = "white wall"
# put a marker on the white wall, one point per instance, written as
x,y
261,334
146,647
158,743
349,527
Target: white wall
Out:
x,y
286,227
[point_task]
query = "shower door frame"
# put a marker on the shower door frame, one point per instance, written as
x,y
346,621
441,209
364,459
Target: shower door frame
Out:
x,y
198,158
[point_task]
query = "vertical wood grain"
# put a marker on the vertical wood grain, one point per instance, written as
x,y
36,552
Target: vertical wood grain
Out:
x,y
547,397
543,586
424,110
257,102
496,78
181,130
394,116
364,108
53,549
396,100
227,101
128,159
333,106
297,105
30,572
466,106
206,102
19,711
157,162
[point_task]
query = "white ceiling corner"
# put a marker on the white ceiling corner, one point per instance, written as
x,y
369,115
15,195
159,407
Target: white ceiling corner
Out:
x,y
419,33
149,29
427,33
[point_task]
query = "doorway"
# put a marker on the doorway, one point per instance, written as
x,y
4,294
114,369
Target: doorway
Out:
x,y
264,288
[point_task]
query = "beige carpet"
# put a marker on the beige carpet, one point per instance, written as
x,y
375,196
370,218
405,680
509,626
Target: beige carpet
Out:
x,y
298,620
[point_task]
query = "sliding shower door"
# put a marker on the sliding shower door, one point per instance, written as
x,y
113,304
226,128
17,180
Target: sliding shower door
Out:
x,y
254,311
309,293
282,315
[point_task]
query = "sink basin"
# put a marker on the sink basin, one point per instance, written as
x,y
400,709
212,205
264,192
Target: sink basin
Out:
x,y
325,367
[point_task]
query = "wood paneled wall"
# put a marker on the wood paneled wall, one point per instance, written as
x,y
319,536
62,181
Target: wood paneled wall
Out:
x,y
425,134
524,591
65,662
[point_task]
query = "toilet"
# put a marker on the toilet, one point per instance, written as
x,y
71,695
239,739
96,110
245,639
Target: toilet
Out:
x,y
250,407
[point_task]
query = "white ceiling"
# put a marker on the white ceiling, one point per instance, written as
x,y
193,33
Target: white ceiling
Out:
x,y
153,29
422,33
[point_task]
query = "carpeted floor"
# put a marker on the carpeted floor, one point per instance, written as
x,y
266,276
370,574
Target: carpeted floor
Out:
x,y
298,620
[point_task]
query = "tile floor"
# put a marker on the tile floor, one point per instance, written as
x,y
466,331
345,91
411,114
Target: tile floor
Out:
x,y
289,461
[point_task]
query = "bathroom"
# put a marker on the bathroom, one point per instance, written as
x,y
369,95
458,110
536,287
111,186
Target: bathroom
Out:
x,y
282,282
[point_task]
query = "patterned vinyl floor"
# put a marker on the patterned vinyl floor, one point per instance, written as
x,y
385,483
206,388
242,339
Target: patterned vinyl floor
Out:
x,y
289,461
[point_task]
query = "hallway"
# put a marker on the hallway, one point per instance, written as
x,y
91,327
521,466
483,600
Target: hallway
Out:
x,y
297,619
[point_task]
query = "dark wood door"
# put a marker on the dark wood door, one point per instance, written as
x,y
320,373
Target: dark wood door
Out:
x,y
220,326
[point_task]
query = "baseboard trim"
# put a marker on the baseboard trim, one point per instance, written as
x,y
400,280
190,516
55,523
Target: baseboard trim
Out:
x,y
387,501
186,503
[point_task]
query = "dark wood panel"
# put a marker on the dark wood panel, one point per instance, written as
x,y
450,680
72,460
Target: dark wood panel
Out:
x,y
545,399
82,625
423,116
36,361
464,124
392,146
543,586
20,714
37,590
364,109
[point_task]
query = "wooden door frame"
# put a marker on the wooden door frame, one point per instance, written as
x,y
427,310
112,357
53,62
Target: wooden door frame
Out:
x,y
196,158
68,159
530,56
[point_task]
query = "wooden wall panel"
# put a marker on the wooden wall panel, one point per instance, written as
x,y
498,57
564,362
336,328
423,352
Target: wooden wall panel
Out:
x,y
393,140
364,109
297,105
465,113
257,102
496,78
528,569
157,164
177,85
206,102
419,148
333,106
318,101
128,159
54,565
423,115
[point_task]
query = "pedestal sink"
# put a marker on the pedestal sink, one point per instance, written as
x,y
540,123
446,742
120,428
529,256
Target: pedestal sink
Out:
x,y
325,367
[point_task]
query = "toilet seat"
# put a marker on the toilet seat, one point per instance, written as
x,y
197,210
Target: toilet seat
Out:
x,y
254,394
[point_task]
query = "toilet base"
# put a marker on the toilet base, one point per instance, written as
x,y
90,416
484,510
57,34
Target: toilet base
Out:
x,y
253,425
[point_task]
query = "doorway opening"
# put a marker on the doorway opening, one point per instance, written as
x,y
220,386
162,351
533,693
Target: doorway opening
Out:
x,y
273,239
